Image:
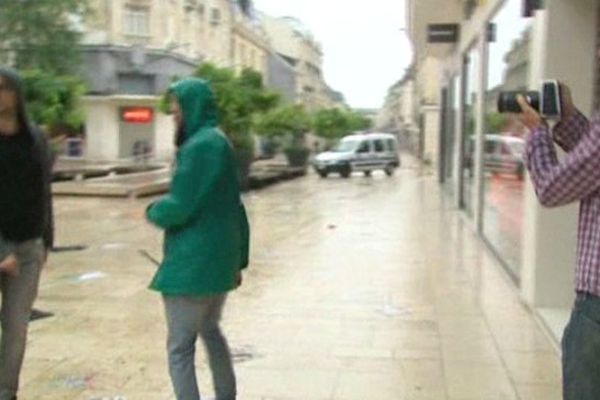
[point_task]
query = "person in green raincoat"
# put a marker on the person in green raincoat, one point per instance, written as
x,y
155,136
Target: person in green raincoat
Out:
x,y
206,241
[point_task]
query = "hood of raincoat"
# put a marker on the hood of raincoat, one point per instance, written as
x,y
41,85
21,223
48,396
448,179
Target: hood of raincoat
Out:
x,y
198,105
16,83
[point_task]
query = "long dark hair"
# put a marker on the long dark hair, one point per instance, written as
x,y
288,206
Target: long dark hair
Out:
x,y
14,82
180,136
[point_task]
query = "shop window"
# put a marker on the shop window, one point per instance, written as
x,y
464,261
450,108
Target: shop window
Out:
x,y
470,93
215,16
503,184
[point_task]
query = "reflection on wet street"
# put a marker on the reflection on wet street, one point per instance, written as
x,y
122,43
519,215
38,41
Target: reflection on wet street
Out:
x,y
503,217
360,289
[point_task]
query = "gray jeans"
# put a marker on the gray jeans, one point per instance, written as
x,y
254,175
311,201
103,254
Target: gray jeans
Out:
x,y
188,318
18,294
581,351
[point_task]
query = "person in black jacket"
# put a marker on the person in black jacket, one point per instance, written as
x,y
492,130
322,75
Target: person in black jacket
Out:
x,y
25,224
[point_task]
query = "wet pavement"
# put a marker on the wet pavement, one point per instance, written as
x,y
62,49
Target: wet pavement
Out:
x,y
360,289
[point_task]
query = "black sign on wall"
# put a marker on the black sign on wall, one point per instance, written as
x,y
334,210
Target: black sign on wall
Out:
x,y
443,33
491,32
529,7
469,8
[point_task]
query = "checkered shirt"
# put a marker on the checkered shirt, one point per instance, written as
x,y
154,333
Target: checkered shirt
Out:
x,y
574,178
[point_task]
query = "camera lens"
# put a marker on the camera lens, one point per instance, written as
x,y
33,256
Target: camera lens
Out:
x,y
507,101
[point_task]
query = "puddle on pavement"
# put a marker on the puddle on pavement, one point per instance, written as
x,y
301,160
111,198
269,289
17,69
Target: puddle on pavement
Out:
x,y
91,276
393,311
119,397
74,382
114,246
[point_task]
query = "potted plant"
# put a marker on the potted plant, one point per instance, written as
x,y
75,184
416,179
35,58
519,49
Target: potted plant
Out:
x,y
297,153
289,125
240,98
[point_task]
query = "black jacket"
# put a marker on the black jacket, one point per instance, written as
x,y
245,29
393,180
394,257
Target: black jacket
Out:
x,y
40,222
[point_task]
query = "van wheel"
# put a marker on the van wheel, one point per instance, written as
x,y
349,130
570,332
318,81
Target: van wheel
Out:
x,y
367,173
323,174
389,170
520,172
346,171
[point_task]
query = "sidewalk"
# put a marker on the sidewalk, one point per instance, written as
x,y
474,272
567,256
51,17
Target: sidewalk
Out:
x,y
359,289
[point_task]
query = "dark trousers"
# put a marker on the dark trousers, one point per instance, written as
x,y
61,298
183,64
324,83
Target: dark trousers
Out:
x,y
581,350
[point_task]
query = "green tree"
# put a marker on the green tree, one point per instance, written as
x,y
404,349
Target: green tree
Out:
x,y
41,34
288,125
358,122
287,121
496,122
331,123
53,101
239,98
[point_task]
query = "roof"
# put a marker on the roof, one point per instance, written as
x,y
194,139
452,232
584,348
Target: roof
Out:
x,y
374,135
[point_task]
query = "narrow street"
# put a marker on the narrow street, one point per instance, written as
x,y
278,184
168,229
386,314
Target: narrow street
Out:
x,y
360,289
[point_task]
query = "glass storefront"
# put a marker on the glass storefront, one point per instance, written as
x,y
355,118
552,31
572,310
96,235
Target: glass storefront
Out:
x,y
508,69
450,106
471,68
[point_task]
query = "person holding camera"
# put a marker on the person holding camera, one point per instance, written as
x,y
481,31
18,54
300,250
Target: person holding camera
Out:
x,y
576,178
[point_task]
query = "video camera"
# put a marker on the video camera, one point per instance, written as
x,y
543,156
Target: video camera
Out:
x,y
547,101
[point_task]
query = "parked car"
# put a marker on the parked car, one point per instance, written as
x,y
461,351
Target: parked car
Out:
x,y
361,152
502,154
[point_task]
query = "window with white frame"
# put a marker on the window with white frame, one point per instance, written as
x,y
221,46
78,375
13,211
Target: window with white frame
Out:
x,y
136,21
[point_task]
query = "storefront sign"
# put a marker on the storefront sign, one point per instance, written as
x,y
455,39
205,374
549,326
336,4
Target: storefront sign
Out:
x,y
529,7
443,33
491,32
137,115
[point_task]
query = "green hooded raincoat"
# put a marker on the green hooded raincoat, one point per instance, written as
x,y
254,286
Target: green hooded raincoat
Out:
x,y
206,229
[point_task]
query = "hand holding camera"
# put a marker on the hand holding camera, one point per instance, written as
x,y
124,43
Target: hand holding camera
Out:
x,y
569,109
529,115
552,102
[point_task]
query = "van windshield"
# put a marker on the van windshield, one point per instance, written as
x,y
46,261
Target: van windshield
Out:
x,y
346,146
518,148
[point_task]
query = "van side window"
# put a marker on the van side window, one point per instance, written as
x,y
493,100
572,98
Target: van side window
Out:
x,y
364,148
379,148
490,147
391,145
506,150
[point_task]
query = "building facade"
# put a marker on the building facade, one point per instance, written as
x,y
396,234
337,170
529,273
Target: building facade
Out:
x,y
132,51
399,113
509,45
296,45
195,29
250,46
427,66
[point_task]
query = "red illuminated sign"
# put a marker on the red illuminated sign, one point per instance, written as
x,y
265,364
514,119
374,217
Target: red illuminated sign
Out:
x,y
137,115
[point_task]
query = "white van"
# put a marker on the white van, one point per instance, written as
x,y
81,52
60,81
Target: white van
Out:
x,y
364,153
